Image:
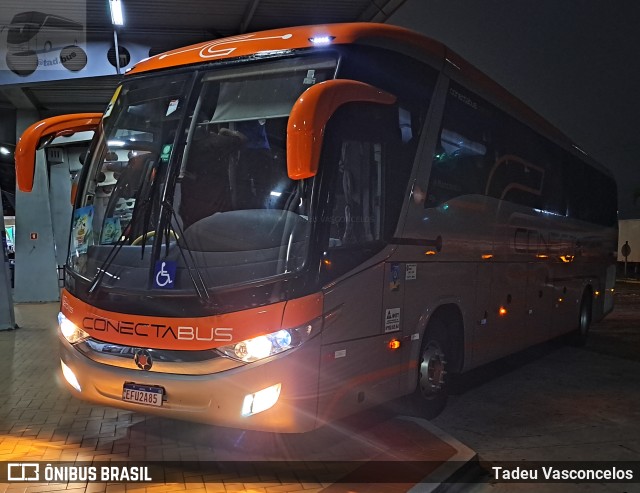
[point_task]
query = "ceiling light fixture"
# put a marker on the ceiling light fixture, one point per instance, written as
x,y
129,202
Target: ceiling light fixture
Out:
x,y
117,18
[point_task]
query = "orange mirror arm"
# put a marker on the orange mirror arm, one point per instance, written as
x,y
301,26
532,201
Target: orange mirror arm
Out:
x,y
54,126
309,117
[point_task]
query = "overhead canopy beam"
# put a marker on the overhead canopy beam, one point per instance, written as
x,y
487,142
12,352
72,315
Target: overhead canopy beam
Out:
x,y
19,98
380,11
248,16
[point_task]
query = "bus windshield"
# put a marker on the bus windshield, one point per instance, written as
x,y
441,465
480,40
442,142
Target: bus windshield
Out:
x,y
188,174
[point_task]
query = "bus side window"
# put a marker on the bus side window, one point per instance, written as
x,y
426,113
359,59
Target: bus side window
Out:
x,y
464,153
367,160
356,215
484,151
371,151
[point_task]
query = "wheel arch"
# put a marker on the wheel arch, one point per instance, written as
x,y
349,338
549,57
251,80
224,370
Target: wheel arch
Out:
x,y
451,315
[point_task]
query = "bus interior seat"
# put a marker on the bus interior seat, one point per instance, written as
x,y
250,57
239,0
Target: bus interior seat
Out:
x,y
252,179
243,230
205,187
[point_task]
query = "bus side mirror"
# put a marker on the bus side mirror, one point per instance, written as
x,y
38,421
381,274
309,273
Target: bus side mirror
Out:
x,y
309,117
47,129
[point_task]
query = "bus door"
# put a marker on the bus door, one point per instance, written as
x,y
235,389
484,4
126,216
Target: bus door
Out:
x,y
362,310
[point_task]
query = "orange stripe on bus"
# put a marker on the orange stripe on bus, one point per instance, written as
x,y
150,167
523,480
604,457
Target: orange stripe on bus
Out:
x,y
188,333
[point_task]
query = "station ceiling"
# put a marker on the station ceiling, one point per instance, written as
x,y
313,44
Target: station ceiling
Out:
x,y
177,23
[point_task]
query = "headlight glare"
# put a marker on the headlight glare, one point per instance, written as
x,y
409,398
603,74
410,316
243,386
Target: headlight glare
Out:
x,y
267,345
260,347
71,331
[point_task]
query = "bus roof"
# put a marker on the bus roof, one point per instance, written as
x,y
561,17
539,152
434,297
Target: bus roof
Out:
x,y
364,33
266,42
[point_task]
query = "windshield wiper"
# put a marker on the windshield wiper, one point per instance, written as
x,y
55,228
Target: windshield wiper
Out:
x,y
148,212
102,270
141,204
199,284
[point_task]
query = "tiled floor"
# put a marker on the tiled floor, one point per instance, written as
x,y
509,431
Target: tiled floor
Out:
x,y
40,421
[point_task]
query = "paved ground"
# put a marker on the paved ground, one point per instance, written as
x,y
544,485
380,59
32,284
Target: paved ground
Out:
x,y
552,403
40,421
558,403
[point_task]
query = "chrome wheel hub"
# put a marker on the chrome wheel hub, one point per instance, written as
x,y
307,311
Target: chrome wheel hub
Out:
x,y
432,370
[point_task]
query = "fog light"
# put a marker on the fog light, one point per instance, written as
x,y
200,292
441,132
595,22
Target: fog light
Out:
x,y
261,400
70,377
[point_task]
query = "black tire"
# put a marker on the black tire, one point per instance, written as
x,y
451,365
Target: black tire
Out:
x,y
431,393
580,335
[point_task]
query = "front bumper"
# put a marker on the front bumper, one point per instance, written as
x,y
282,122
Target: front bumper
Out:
x,y
215,398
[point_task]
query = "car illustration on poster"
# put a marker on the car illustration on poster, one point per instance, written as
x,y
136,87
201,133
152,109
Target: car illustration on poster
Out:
x,y
33,33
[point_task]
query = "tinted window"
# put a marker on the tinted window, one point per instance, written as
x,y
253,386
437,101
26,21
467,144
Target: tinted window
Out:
x,y
411,81
464,153
366,167
591,195
482,150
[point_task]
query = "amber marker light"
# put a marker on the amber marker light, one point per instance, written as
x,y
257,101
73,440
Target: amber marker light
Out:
x,y
393,344
487,256
502,311
430,252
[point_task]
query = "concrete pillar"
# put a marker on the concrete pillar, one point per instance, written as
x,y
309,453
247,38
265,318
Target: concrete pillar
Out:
x,y
43,219
36,273
7,317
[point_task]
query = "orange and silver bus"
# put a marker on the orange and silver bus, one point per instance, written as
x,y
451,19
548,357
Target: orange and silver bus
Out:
x,y
279,229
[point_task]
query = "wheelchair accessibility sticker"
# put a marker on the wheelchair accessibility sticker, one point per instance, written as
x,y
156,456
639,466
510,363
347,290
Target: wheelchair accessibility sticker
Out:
x,y
164,274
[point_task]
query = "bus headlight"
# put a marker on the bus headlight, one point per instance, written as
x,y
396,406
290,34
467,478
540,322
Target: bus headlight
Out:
x,y
267,345
71,331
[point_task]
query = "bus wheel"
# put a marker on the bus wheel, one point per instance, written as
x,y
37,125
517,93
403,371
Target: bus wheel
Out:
x,y
579,336
430,396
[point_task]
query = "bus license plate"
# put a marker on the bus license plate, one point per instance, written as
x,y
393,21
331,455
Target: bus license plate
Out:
x,y
142,394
